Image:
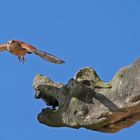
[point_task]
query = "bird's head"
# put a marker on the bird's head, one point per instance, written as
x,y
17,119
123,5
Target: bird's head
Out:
x,y
11,42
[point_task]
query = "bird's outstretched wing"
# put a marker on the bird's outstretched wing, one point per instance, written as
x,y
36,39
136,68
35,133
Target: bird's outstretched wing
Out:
x,y
3,47
46,56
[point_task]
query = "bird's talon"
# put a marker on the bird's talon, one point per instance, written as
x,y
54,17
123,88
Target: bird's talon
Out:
x,y
23,60
19,59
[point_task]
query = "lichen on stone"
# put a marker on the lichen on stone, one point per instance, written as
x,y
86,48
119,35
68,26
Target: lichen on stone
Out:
x,y
88,102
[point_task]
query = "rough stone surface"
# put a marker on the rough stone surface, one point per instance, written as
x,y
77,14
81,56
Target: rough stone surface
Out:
x,y
87,102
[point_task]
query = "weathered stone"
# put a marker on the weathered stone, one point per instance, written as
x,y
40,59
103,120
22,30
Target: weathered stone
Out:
x,y
86,101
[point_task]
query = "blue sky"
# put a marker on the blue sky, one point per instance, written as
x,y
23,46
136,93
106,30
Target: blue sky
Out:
x,y
103,34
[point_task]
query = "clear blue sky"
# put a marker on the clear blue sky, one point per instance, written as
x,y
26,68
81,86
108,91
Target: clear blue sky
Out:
x,y
104,34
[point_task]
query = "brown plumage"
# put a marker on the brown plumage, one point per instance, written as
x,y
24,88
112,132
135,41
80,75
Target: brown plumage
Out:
x,y
20,49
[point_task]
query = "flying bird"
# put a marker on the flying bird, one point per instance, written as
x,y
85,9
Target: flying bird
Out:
x,y
20,49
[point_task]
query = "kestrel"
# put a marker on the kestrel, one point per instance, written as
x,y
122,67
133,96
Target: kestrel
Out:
x,y
20,49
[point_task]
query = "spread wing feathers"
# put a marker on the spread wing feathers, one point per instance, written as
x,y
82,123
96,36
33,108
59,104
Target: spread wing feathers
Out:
x,y
47,56
3,47
26,46
44,55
